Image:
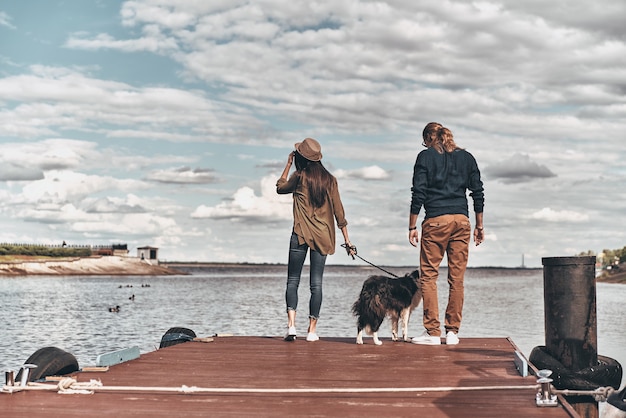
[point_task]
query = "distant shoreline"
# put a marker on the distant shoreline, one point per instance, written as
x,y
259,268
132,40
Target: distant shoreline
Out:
x,y
88,266
132,266
614,278
175,264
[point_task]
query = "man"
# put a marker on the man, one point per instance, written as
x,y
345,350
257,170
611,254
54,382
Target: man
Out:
x,y
442,174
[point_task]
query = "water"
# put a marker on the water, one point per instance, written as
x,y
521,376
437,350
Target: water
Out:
x,y
72,312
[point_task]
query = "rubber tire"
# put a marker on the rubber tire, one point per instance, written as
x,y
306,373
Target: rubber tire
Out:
x,y
608,372
176,330
50,361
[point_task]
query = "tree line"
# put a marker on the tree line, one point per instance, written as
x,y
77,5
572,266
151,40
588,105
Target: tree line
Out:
x,y
44,250
608,257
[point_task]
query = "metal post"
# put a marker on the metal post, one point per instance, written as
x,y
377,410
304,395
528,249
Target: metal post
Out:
x,y
570,318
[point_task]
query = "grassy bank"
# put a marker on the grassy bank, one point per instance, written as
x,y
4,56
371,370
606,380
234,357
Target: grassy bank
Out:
x,y
612,278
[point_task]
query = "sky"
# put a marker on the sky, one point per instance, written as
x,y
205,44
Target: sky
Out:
x,y
166,123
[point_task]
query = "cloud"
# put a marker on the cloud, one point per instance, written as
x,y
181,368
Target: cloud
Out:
x,y
114,205
14,172
550,215
59,187
246,205
51,100
45,155
184,175
133,224
5,20
101,224
373,172
518,169
153,41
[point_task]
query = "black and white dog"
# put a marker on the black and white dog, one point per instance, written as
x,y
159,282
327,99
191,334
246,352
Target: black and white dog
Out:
x,y
383,296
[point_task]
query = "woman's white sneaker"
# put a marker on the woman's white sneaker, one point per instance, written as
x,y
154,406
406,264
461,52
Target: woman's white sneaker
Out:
x,y
291,334
311,336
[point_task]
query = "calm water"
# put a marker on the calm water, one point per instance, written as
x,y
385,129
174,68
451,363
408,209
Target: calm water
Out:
x,y
72,312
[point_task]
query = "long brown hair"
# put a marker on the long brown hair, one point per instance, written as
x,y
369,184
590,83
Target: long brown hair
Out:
x,y
439,137
315,177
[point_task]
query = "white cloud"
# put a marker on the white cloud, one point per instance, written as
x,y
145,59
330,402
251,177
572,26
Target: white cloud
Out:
x,y
245,204
15,172
144,224
129,204
551,215
63,186
518,168
53,99
373,172
184,175
49,154
5,20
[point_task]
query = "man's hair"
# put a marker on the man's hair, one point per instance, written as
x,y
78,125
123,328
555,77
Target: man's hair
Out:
x,y
439,137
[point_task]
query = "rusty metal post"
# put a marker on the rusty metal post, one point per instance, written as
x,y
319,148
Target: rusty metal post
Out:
x,y
569,285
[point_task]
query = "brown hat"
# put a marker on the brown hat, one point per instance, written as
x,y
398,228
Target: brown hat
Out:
x,y
310,149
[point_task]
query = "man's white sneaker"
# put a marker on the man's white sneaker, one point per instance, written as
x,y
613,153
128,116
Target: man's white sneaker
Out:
x,y
426,339
291,334
452,338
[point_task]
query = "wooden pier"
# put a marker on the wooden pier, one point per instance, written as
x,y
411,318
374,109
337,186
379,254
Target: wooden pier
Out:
x,y
334,377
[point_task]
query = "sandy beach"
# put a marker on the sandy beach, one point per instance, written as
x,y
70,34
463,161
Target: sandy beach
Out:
x,y
98,265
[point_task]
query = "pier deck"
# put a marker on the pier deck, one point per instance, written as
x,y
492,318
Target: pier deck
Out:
x,y
250,376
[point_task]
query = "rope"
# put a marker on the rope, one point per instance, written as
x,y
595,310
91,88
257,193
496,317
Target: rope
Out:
x,y
353,248
599,394
69,385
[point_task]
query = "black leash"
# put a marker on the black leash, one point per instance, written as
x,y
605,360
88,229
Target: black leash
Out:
x,y
353,248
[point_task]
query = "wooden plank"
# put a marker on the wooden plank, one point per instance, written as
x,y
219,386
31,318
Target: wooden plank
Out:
x,y
88,369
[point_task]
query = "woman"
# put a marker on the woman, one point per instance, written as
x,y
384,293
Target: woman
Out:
x,y
442,174
316,202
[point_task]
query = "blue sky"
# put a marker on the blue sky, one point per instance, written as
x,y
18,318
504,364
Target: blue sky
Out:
x,y
167,123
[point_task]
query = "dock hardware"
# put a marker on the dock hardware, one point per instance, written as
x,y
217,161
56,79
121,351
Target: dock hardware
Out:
x,y
544,395
25,372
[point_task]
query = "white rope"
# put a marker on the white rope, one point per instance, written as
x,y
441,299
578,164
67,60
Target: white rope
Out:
x,y
599,395
69,385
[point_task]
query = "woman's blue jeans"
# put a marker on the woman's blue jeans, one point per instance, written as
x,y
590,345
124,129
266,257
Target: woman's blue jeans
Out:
x,y
297,255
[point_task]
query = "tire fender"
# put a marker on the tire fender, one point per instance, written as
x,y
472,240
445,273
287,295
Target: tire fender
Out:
x,y
50,361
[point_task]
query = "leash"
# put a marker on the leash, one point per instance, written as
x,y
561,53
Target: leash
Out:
x,y
353,248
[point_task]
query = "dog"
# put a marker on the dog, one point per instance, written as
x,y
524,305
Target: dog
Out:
x,y
383,296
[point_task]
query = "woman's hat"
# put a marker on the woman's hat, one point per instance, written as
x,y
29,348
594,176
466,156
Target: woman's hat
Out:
x,y
309,149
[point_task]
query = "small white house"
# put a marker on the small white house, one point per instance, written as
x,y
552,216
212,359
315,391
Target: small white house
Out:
x,y
148,253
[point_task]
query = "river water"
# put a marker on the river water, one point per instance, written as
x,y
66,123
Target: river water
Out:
x,y
71,312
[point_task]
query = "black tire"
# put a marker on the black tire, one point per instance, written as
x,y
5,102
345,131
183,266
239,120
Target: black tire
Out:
x,y
608,372
176,335
50,361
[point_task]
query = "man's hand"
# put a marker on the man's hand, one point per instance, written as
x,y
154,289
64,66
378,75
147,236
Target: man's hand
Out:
x,y
414,237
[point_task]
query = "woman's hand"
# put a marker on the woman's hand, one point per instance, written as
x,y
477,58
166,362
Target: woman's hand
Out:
x,y
350,249
288,165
